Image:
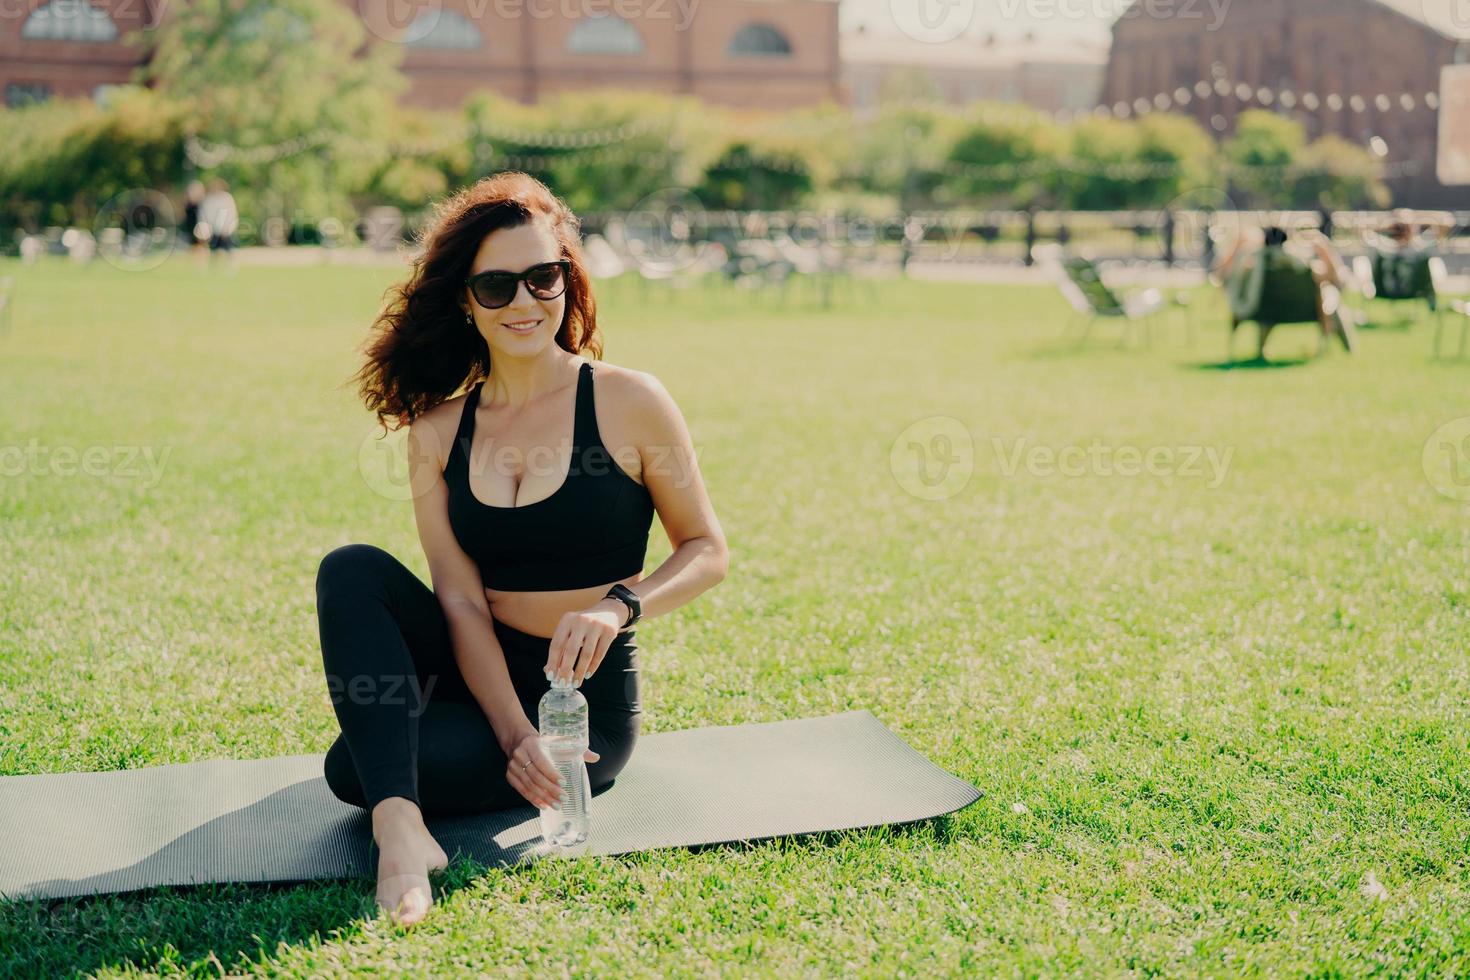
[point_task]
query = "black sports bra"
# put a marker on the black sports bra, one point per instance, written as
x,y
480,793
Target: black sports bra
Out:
x,y
592,529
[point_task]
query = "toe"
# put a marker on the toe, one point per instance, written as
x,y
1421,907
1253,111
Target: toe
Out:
x,y
412,908
406,898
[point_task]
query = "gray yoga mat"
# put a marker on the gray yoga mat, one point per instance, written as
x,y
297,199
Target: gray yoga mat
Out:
x,y
256,820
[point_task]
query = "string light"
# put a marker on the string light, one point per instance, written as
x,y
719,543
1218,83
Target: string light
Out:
x,y
482,135
212,154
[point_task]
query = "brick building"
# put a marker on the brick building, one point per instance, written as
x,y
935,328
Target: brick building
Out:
x,y
1052,75
1357,68
747,53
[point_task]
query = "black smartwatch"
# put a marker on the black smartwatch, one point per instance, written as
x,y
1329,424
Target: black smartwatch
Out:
x,y
629,598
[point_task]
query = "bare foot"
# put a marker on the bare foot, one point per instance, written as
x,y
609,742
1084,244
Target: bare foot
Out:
x,y
407,854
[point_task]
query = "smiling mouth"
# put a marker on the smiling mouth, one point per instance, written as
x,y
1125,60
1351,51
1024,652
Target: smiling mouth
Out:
x,y
524,327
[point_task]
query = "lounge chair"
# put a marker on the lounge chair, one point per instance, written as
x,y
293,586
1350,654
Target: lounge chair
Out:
x,y
1288,293
1092,299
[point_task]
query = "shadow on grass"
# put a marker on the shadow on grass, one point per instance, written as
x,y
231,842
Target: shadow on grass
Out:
x,y
1069,350
207,929
1396,326
1399,317
1251,364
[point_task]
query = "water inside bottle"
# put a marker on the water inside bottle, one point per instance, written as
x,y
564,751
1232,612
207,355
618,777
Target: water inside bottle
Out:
x,y
565,825
564,738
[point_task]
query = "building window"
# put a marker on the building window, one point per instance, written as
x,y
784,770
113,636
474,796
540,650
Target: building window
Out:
x,y
68,20
18,94
761,40
443,29
604,34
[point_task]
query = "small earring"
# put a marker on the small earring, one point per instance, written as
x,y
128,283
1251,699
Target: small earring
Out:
x,y
469,318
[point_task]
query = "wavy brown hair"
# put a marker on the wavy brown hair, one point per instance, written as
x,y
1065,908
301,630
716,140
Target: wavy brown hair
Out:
x,y
421,350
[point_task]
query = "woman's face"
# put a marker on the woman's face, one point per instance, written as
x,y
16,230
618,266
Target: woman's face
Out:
x,y
526,324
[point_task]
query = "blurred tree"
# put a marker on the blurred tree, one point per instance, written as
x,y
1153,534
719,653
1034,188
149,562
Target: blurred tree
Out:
x,y
261,73
901,153
1336,173
749,176
67,158
599,150
1008,155
1260,157
1177,155
431,154
1102,171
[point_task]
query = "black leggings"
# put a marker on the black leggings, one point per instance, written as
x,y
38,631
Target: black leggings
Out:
x,y
410,725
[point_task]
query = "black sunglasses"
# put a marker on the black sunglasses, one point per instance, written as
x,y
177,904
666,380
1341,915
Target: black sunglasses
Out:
x,y
495,289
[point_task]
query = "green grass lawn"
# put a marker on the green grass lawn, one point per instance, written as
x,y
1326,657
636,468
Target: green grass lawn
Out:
x,y
1218,716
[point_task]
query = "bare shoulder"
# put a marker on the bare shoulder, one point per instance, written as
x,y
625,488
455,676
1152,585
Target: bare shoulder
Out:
x,y
433,431
636,396
628,387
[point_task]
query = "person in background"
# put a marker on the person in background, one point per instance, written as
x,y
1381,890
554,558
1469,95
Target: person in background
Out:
x,y
218,215
1400,251
1410,233
1242,273
190,229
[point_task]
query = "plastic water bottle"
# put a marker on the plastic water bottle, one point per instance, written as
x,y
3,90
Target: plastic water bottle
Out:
x,y
563,728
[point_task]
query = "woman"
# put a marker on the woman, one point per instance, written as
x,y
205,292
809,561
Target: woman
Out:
x,y
533,501
1410,233
1242,273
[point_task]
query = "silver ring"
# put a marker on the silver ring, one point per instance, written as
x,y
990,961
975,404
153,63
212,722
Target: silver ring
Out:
x,y
526,766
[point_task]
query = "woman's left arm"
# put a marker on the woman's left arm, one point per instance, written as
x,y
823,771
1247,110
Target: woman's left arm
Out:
x,y
700,558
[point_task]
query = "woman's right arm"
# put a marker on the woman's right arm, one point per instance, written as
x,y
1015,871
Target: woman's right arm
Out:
x,y
456,582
